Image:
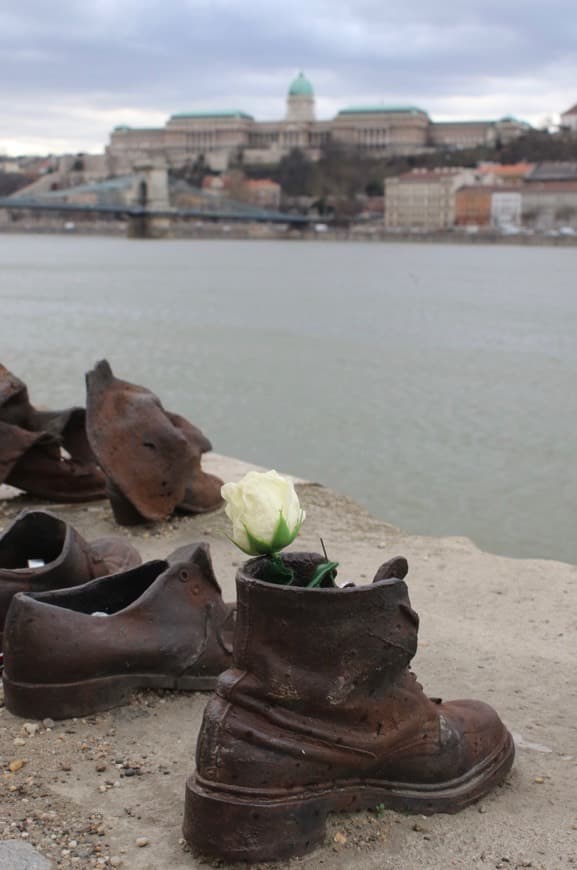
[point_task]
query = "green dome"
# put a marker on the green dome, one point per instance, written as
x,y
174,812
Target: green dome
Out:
x,y
301,87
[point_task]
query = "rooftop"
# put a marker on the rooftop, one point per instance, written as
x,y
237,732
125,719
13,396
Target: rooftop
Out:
x,y
482,189
301,87
219,113
381,109
552,170
505,170
417,175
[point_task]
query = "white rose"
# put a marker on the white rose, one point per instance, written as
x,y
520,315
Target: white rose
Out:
x,y
265,512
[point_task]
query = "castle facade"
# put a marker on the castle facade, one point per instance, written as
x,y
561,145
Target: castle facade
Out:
x,y
227,137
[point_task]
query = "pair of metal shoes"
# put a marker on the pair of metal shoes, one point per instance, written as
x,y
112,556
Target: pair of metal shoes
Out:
x,y
316,709
86,624
45,453
125,446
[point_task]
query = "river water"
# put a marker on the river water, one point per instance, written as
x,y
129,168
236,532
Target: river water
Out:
x,y
435,384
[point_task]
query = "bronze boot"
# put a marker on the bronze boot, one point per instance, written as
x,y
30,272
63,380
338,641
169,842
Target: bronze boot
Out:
x,y
68,426
321,713
73,652
34,462
15,407
150,456
39,551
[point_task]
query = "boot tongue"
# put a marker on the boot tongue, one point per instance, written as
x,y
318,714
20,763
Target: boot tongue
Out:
x,y
396,568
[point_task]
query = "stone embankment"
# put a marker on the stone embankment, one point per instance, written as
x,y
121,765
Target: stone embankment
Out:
x,y
370,232
107,791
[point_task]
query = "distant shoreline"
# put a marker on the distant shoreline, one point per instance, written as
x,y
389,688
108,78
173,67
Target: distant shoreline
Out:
x,y
265,232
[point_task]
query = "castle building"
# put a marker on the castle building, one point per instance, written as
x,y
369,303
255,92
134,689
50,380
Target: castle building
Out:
x,y
233,136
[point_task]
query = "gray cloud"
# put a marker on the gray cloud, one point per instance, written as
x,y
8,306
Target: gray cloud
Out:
x,y
74,65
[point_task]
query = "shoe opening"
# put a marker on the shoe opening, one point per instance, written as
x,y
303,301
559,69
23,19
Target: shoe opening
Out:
x,y
107,595
34,536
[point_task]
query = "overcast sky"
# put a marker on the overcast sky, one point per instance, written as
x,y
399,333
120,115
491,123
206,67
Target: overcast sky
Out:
x,y
72,69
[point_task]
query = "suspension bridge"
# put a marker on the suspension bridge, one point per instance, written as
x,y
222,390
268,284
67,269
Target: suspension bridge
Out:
x,y
143,200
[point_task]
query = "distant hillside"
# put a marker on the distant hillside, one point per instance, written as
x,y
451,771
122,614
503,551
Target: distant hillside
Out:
x,y
345,173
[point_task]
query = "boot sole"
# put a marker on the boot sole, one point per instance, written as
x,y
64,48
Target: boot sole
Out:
x,y
235,824
67,700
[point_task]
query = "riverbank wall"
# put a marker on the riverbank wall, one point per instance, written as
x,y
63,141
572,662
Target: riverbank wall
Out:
x,y
42,224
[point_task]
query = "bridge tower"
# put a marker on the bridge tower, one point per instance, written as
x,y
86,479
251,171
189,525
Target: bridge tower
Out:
x,y
150,188
150,191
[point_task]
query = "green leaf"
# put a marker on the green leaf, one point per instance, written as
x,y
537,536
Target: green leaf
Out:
x,y
258,548
282,535
321,571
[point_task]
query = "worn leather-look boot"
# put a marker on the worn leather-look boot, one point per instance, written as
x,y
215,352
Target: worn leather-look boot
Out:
x,y
67,427
39,551
15,407
320,713
162,625
34,463
151,457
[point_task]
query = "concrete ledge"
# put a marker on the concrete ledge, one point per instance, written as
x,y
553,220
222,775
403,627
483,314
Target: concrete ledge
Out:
x,y
502,630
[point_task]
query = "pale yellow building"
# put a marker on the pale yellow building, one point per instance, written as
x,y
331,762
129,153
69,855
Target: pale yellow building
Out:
x,y
424,199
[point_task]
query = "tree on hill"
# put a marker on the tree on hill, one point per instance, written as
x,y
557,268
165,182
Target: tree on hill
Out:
x,y
10,182
295,174
193,171
540,145
343,172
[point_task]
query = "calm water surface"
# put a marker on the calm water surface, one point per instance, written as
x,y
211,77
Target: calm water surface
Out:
x,y
435,384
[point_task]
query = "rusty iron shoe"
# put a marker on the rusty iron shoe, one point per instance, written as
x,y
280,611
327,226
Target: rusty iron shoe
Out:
x,y
39,552
202,491
320,713
16,409
151,457
34,463
67,427
74,652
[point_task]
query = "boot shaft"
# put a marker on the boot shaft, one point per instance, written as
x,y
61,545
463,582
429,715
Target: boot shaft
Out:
x,y
317,647
320,683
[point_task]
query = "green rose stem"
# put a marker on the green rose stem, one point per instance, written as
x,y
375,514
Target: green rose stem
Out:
x,y
277,572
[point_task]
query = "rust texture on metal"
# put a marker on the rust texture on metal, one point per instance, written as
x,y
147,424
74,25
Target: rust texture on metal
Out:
x,y
150,456
40,537
162,625
32,444
15,405
320,712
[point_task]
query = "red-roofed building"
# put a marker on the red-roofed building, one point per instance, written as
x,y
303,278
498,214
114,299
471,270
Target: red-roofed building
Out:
x,y
263,192
505,173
